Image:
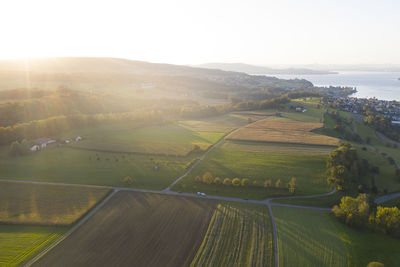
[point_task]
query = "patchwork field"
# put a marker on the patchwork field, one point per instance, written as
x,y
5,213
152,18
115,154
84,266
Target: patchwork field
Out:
x,y
227,161
308,238
282,131
170,139
224,123
40,204
137,229
60,164
18,243
238,235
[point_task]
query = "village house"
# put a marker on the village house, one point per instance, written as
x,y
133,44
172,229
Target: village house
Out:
x,y
41,143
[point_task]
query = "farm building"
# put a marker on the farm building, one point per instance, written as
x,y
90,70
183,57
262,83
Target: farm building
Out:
x,y
41,143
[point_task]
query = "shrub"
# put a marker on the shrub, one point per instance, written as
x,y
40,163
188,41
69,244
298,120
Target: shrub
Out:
x,y
267,183
278,183
236,182
255,183
197,178
227,181
245,182
217,180
127,180
207,178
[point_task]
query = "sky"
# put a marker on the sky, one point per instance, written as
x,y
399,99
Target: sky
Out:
x,y
261,32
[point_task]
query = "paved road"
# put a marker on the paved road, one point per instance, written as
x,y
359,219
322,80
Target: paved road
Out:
x,y
385,198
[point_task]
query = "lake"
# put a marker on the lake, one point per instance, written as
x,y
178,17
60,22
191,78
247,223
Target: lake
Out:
x,y
382,85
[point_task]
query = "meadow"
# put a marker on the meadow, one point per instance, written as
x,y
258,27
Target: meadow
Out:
x,y
364,246
63,164
282,130
42,204
171,140
229,160
137,229
238,235
18,243
308,238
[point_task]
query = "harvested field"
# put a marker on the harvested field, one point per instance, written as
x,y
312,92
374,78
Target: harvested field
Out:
x,y
137,229
282,131
238,235
41,204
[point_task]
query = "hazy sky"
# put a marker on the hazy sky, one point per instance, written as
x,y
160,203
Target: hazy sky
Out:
x,y
190,32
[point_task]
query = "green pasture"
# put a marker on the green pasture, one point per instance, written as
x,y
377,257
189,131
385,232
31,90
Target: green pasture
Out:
x,y
18,244
308,238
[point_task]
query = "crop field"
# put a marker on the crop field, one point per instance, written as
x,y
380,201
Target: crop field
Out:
x,y
20,243
157,140
364,246
282,131
231,162
238,235
308,238
41,204
62,164
224,123
137,229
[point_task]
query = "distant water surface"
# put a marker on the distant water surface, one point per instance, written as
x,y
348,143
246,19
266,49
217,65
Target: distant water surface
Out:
x,y
382,85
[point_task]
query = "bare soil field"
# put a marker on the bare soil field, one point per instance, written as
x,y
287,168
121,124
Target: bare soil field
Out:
x,y
137,229
41,204
282,131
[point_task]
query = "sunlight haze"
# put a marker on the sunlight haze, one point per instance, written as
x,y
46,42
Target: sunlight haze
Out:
x,y
194,32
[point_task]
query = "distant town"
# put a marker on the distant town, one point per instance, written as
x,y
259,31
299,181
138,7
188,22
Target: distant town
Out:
x,y
389,109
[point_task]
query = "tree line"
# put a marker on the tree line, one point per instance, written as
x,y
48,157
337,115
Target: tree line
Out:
x,y
360,212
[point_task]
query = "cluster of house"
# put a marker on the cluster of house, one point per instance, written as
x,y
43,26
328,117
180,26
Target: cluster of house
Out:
x,y
389,109
298,108
42,143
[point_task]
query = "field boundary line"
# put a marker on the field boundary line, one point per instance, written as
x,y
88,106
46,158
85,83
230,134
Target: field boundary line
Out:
x,y
73,229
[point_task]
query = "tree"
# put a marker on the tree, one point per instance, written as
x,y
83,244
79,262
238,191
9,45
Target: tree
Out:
x,y
337,177
255,183
15,148
217,180
127,180
267,183
292,185
278,183
353,211
197,178
207,178
245,182
227,181
236,182
375,264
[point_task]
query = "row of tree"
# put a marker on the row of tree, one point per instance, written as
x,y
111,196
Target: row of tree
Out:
x,y
361,212
208,178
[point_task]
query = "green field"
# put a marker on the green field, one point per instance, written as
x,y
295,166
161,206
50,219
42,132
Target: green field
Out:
x,y
137,229
170,139
238,235
323,202
60,164
18,244
231,161
308,238
41,204
364,246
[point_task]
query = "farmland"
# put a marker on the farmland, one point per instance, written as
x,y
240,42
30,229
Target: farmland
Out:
x,y
282,131
137,229
170,139
364,246
41,204
231,160
63,164
238,235
20,243
308,238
